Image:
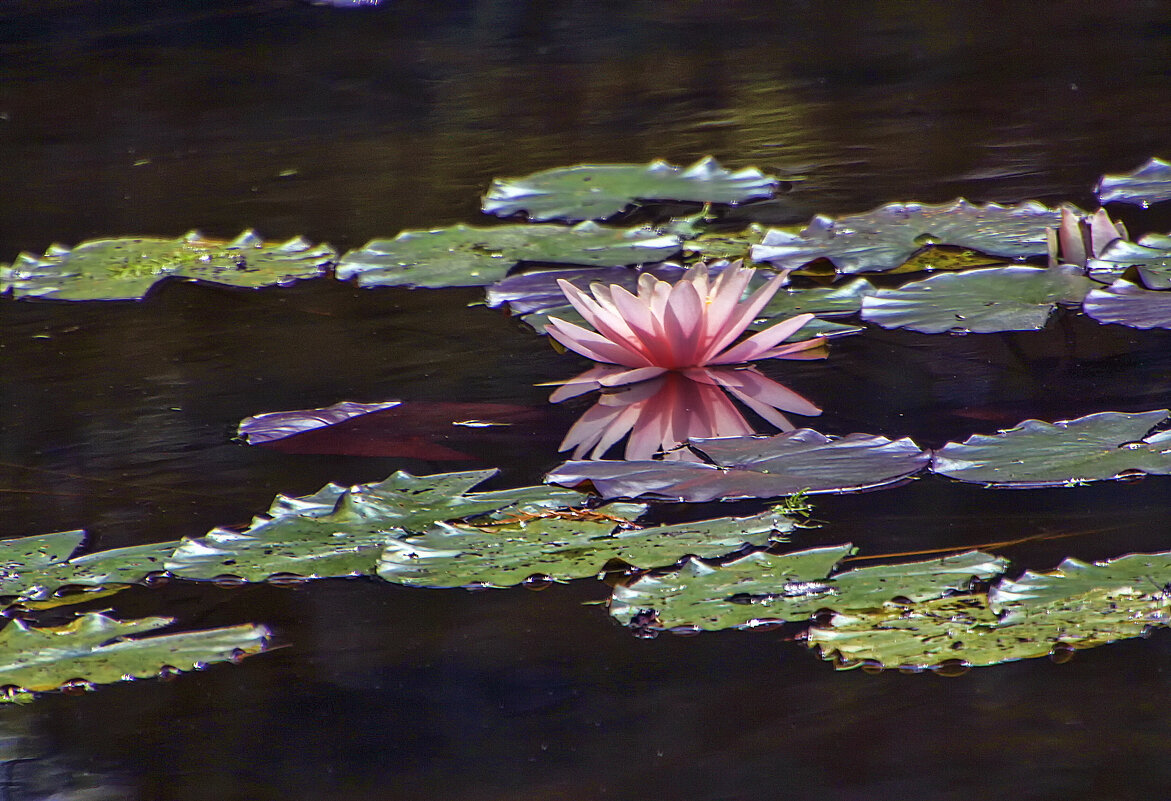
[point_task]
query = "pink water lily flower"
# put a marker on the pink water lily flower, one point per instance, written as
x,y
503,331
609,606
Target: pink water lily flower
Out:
x,y
694,322
1081,238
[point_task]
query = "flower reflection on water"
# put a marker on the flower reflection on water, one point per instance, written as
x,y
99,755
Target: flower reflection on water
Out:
x,y
664,412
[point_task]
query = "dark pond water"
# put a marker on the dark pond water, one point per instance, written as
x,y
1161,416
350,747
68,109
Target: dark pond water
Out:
x,y
349,124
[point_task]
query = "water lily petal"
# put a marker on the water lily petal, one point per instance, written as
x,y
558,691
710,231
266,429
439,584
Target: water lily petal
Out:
x,y
593,345
759,343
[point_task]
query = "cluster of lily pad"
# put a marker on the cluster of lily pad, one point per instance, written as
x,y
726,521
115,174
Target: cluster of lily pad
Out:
x,y
434,531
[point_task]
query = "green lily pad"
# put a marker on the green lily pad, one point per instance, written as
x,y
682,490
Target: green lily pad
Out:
x,y
755,467
343,531
962,631
1128,304
764,587
888,236
1143,575
466,256
844,299
1096,447
1151,256
125,269
598,191
31,568
562,548
95,649
1148,184
732,245
978,301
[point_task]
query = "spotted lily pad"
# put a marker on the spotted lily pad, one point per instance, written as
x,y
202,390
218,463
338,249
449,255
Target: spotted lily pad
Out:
x,y
1096,447
341,531
755,467
503,552
1150,183
31,568
467,256
978,301
1129,304
763,587
598,191
95,649
1150,256
1143,576
962,631
125,269
889,235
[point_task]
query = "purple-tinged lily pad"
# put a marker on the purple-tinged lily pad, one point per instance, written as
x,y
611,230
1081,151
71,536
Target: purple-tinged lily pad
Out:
x,y
269,426
978,301
755,467
1150,256
463,255
1150,183
1129,304
444,431
1097,447
888,236
598,191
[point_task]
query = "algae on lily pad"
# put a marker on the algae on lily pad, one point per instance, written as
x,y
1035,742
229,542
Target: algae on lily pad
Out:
x,y
342,531
563,546
95,649
1096,447
888,236
1129,304
755,467
125,269
31,568
764,587
978,301
598,191
463,255
1150,183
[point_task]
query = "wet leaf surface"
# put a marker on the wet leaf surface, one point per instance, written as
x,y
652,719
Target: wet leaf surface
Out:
x,y
463,255
125,269
1150,183
31,568
1096,447
95,649
888,236
1129,304
755,467
764,587
977,301
342,531
1151,256
596,192
505,551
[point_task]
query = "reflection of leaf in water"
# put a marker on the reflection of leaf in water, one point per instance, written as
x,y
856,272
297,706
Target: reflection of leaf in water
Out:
x,y
1096,447
790,587
755,467
595,192
978,301
886,237
503,552
463,255
124,269
1149,183
342,531
31,568
95,649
